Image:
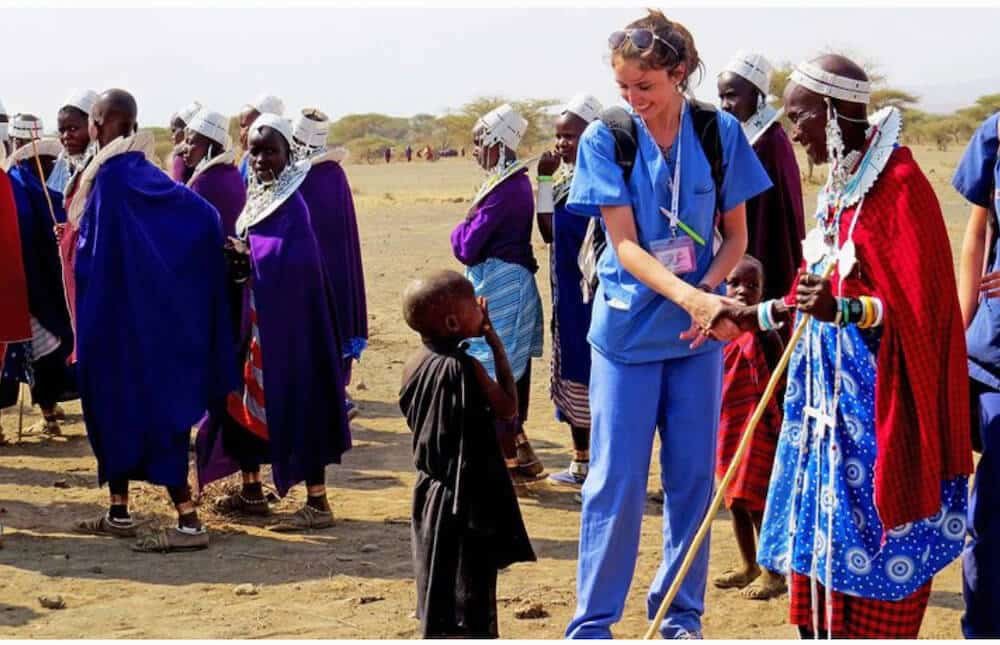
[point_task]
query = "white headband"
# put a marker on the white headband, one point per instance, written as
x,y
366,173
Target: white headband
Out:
x,y
275,122
814,79
753,67
584,106
187,113
502,125
21,128
312,132
213,125
83,100
268,104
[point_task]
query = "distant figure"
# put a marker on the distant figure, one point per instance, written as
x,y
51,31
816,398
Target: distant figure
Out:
x,y
409,153
388,154
463,152
466,521
178,122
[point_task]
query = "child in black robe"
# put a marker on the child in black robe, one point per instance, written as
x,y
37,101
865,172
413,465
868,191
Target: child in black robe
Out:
x,y
466,521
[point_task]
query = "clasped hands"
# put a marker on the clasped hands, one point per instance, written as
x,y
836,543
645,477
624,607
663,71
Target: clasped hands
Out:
x,y
722,318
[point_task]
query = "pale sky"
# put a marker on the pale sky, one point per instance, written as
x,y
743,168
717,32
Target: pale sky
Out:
x,y
403,61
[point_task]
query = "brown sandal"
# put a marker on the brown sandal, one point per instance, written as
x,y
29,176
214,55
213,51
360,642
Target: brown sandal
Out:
x,y
237,504
172,540
104,525
304,519
527,460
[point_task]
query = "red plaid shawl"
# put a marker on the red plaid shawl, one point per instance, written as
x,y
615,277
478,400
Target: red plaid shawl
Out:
x,y
744,381
921,391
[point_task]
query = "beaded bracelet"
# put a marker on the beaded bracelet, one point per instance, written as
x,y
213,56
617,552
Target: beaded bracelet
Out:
x,y
865,312
543,178
765,317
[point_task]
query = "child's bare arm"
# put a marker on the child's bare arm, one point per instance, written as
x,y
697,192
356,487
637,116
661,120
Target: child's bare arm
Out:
x,y
502,393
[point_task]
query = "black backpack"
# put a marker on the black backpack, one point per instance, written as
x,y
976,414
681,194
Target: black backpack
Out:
x,y
706,127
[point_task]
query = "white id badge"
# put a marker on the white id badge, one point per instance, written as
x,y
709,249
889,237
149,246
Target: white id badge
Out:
x,y
676,253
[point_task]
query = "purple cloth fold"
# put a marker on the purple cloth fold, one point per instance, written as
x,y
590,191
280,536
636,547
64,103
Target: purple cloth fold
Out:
x,y
335,224
223,187
500,226
775,220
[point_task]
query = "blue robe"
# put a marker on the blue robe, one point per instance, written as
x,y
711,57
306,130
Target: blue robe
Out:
x,y
154,332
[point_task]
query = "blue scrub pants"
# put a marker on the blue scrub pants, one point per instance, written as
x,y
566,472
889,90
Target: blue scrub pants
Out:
x,y
981,558
681,398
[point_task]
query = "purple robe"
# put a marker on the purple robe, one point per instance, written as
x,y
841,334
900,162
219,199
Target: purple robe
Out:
x,y
153,330
223,187
303,386
331,210
500,227
775,221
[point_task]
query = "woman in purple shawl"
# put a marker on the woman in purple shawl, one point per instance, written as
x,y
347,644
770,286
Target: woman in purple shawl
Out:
x,y
335,224
289,410
208,155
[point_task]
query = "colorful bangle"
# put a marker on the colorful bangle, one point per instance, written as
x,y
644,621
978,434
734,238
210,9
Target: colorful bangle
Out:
x,y
880,313
762,317
765,317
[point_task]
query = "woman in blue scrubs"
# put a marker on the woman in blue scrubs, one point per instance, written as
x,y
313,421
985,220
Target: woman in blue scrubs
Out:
x,y
977,178
655,363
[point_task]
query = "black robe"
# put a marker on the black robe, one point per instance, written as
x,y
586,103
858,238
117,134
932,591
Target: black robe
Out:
x,y
466,521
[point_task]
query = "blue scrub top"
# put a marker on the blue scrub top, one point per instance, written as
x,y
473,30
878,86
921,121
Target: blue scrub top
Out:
x,y
631,322
977,178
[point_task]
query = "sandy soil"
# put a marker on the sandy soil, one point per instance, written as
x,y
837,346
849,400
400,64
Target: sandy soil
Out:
x,y
354,580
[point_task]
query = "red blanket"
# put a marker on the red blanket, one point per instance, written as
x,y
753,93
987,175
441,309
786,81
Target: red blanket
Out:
x,y
15,323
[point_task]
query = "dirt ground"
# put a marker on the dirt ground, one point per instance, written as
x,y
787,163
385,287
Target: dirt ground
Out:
x,y
354,580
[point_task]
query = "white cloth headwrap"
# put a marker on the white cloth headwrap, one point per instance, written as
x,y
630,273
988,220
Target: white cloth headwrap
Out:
x,y
213,125
312,132
83,100
815,79
275,122
21,128
45,147
753,67
584,106
187,113
268,104
502,125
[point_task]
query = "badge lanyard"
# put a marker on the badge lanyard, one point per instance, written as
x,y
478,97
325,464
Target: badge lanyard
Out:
x,y
673,215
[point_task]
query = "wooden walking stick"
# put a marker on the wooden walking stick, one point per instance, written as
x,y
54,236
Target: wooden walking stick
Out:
x,y
720,493
41,174
20,411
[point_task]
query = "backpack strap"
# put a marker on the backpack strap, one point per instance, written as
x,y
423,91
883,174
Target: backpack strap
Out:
x,y
622,127
705,118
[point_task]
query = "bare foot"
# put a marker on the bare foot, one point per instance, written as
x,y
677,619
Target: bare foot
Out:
x,y
769,585
737,578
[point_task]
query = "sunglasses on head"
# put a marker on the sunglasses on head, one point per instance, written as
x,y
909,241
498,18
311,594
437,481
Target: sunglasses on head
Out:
x,y
641,38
